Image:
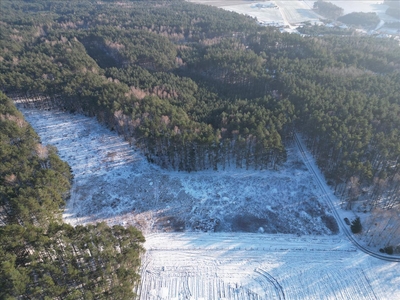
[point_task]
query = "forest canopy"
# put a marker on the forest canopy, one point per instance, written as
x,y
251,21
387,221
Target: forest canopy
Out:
x,y
41,257
195,87
369,19
328,9
393,9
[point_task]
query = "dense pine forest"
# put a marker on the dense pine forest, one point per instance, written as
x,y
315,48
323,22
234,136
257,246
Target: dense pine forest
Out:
x,y
40,256
194,87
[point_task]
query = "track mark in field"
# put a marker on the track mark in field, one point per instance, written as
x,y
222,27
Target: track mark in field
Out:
x,y
186,294
183,283
271,280
369,284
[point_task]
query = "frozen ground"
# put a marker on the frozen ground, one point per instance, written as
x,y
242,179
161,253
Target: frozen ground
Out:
x,y
114,183
276,13
258,266
291,13
350,6
296,12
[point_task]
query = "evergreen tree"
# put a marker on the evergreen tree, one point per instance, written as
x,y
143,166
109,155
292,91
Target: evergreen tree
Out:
x,y
356,226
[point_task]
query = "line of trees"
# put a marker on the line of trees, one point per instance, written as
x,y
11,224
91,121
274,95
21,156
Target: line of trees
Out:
x,y
394,8
369,19
328,9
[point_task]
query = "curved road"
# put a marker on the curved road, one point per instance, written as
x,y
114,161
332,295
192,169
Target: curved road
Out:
x,y
327,194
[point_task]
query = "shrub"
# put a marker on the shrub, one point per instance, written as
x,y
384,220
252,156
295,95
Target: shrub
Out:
x,y
356,226
388,249
360,18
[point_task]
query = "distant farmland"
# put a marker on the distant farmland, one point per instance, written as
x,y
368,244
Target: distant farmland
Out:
x,y
292,13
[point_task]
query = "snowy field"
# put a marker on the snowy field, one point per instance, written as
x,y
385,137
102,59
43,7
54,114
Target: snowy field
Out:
x,y
254,266
350,6
291,13
296,12
113,182
276,13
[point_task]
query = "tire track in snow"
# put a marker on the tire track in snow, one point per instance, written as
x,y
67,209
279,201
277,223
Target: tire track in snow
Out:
x,y
278,288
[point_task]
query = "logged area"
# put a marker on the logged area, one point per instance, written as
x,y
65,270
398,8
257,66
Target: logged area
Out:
x,y
114,182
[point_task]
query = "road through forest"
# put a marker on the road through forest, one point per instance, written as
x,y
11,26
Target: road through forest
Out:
x,y
330,199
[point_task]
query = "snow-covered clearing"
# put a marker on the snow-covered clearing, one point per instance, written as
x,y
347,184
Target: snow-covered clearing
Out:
x,y
268,15
350,6
277,13
297,12
113,182
291,13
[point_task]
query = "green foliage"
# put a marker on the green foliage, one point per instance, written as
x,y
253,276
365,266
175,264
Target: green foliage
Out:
x,y
394,12
393,9
318,30
388,250
39,256
34,181
62,60
93,261
126,47
198,88
356,226
370,19
328,9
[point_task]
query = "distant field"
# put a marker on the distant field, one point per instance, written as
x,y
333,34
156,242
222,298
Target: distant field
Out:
x,y
292,12
278,13
297,12
362,6
267,15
